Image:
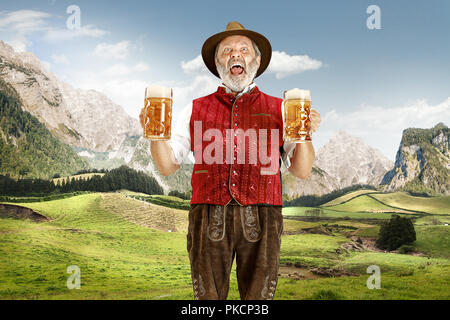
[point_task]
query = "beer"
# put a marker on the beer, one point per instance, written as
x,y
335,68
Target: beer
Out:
x,y
157,113
297,124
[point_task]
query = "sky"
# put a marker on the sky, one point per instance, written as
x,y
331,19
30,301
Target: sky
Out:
x,y
371,72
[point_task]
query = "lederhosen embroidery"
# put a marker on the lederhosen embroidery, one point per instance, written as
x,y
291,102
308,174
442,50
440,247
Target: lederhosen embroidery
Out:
x,y
216,223
199,288
269,289
250,223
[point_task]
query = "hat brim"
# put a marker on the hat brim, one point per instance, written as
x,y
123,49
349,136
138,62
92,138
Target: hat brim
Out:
x,y
209,49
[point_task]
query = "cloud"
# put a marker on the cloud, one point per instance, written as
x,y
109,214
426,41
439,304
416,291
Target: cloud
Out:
x,y
23,21
382,127
20,43
56,35
194,66
284,65
60,59
127,89
201,85
47,65
117,50
20,24
122,69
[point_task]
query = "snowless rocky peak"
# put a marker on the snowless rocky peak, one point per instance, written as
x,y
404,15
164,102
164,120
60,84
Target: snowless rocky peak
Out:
x,y
83,118
23,59
351,161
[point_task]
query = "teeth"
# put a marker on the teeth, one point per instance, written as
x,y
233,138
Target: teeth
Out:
x,y
236,65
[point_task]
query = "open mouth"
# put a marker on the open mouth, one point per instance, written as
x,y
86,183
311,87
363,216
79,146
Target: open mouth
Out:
x,y
236,69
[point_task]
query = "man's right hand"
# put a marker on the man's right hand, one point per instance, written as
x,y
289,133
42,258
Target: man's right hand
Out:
x,y
161,152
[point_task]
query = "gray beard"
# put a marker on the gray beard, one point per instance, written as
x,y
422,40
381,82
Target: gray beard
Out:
x,y
233,83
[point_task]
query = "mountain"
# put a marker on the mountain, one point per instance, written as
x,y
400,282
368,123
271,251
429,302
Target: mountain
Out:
x,y
104,136
138,157
350,161
318,183
27,148
81,118
99,131
422,163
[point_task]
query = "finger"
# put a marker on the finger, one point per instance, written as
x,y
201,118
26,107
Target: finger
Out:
x,y
316,121
315,116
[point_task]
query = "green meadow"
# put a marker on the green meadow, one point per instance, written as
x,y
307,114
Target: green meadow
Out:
x,y
347,197
128,248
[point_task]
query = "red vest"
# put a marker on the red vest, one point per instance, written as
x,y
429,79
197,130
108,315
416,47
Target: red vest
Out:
x,y
236,145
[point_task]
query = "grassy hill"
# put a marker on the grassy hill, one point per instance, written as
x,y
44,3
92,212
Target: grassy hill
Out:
x,y
347,197
436,205
118,258
366,203
124,251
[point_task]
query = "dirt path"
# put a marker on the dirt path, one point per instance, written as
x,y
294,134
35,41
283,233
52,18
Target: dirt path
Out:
x,y
19,212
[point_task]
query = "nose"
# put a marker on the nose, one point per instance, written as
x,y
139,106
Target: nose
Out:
x,y
235,54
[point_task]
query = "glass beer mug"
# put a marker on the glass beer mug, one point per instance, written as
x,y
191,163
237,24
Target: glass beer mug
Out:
x,y
297,123
157,113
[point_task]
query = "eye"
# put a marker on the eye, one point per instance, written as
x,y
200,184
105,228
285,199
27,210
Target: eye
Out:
x,y
226,50
245,49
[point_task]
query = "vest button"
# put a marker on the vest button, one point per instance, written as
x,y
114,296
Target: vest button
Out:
x,y
233,185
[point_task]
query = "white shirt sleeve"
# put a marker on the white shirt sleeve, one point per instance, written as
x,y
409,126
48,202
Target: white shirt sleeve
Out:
x,y
180,140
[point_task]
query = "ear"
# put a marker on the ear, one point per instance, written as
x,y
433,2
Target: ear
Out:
x,y
258,60
216,61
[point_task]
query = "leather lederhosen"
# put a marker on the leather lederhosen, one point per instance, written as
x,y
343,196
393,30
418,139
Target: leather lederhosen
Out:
x,y
217,234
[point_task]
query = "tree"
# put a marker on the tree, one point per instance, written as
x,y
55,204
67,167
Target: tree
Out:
x,y
24,171
395,233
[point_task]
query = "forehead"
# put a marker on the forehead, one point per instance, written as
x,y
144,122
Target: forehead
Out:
x,y
237,39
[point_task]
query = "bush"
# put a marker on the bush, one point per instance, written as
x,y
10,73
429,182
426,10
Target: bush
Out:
x,y
406,249
326,295
395,233
181,195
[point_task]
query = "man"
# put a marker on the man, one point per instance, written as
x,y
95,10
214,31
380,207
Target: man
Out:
x,y
236,186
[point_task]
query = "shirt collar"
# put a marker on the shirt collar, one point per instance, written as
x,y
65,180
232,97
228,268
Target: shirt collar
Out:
x,y
246,89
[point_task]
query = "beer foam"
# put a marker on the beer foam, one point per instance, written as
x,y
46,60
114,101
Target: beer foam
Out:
x,y
297,94
158,92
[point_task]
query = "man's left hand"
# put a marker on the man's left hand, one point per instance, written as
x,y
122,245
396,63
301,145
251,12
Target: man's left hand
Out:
x,y
315,120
